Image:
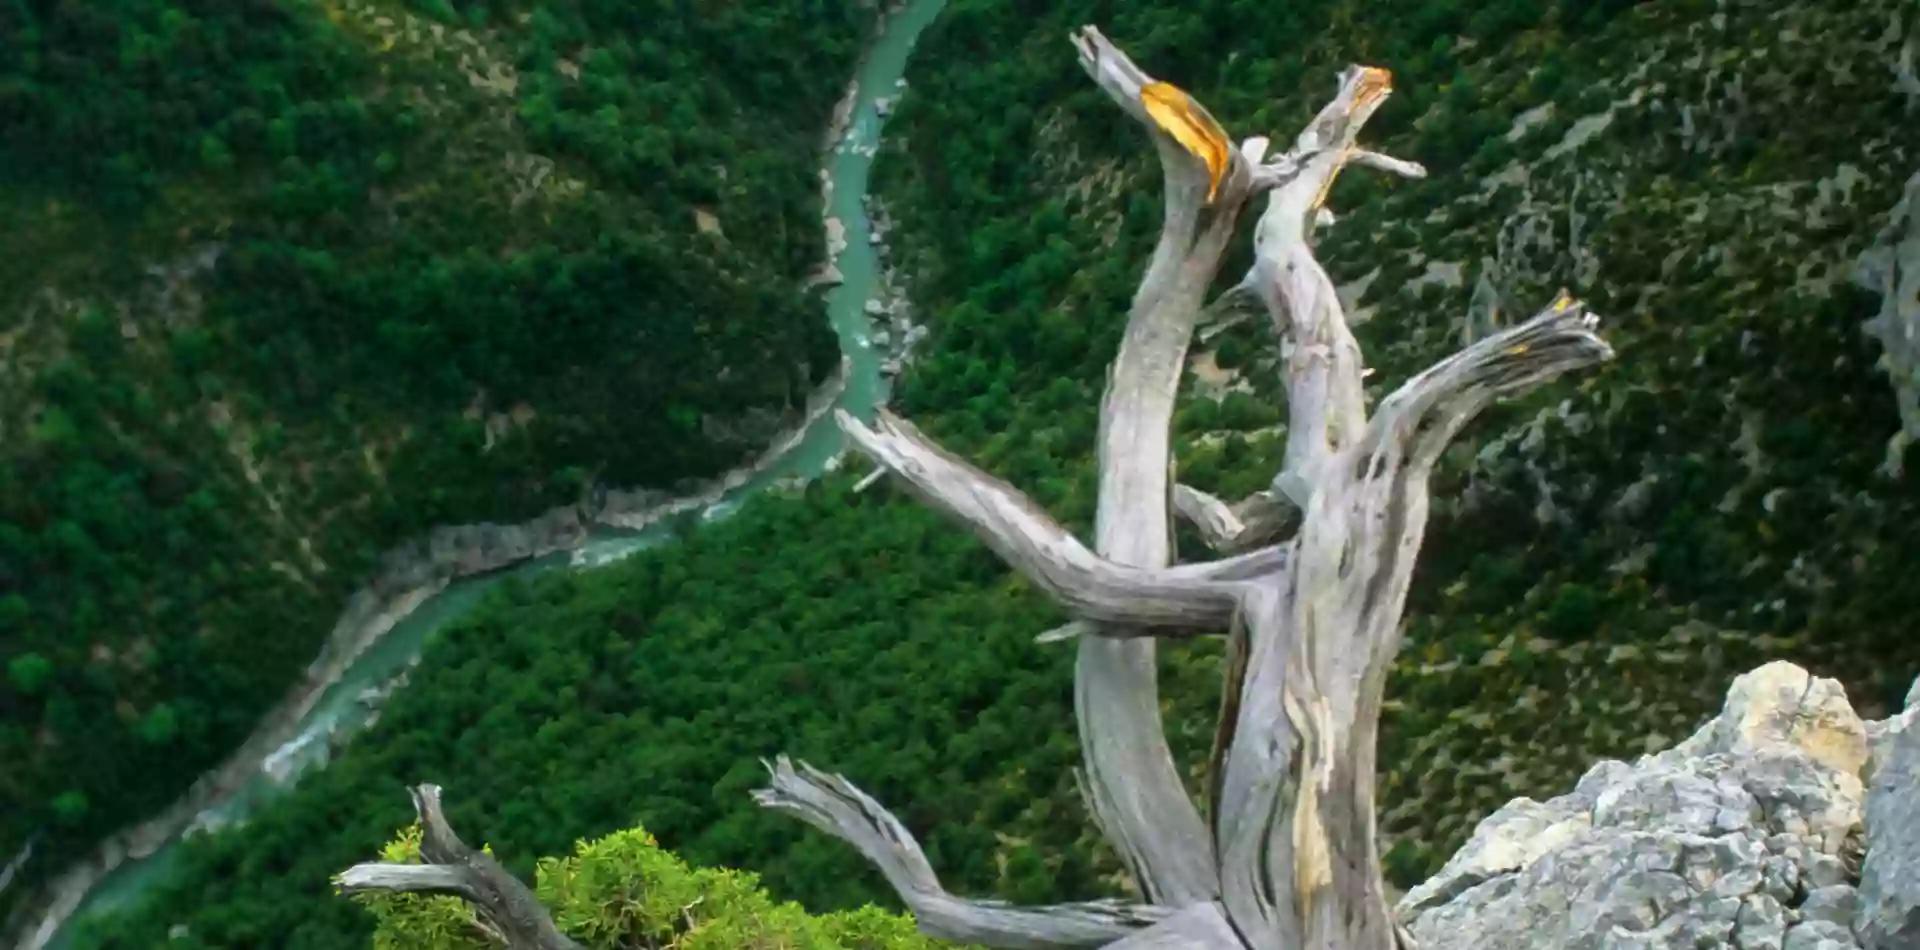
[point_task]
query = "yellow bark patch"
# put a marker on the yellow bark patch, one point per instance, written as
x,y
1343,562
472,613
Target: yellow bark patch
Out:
x,y
1177,114
1375,84
1312,852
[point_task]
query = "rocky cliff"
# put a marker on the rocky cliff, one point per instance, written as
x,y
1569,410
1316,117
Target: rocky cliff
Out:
x,y
1786,823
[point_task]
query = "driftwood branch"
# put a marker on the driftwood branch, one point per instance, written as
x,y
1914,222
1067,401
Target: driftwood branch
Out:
x,y
502,904
1131,782
1134,601
833,805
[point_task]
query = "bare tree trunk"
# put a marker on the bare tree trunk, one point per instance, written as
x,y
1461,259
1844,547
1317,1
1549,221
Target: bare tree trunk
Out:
x,y
1289,859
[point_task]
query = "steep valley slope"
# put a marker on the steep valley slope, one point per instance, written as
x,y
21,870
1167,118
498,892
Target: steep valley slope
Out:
x,y
286,284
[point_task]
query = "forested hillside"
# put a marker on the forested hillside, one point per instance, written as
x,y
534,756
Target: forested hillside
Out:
x,y
1603,559
284,284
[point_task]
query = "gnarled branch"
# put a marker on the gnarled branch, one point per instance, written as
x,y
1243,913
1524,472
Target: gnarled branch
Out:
x,y
1426,412
833,805
1134,601
503,904
1196,927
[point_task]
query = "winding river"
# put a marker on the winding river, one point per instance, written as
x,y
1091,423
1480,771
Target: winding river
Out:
x,y
344,707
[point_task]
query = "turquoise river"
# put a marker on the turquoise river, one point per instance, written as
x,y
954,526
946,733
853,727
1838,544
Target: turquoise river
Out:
x,y
339,711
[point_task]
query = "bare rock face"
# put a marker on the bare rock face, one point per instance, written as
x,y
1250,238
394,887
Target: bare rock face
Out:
x,y
1890,877
1891,268
1749,834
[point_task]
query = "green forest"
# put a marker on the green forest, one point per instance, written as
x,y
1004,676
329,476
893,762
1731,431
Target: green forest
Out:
x,y
1605,556
287,283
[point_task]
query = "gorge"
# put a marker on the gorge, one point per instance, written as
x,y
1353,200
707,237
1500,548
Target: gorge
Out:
x,y
1605,558
430,583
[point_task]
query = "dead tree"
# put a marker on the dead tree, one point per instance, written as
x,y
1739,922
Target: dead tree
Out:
x,y
1285,855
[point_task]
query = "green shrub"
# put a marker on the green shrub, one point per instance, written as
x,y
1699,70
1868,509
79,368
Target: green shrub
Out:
x,y
624,891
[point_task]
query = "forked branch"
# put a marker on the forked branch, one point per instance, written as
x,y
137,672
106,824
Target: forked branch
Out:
x,y
1323,368
1424,414
1320,645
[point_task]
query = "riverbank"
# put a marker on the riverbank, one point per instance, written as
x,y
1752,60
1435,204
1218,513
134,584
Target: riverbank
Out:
x,y
418,574
409,576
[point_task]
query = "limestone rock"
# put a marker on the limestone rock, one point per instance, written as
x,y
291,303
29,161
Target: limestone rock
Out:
x,y
1741,836
1891,268
1819,935
1835,904
1890,875
1781,704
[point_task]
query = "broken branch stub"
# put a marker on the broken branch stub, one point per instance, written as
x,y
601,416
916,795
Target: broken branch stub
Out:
x,y
1227,529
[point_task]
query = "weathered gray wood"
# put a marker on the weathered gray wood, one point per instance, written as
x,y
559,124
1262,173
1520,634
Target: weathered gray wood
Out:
x,y
1254,520
1135,600
832,804
1217,522
1068,631
500,901
1290,859
1138,798
1196,927
1321,645
866,481
414,878
1323,369
1135,791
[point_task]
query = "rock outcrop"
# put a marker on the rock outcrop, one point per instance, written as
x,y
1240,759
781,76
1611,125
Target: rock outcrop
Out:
x,y
1891,268
1890,880
1786,823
